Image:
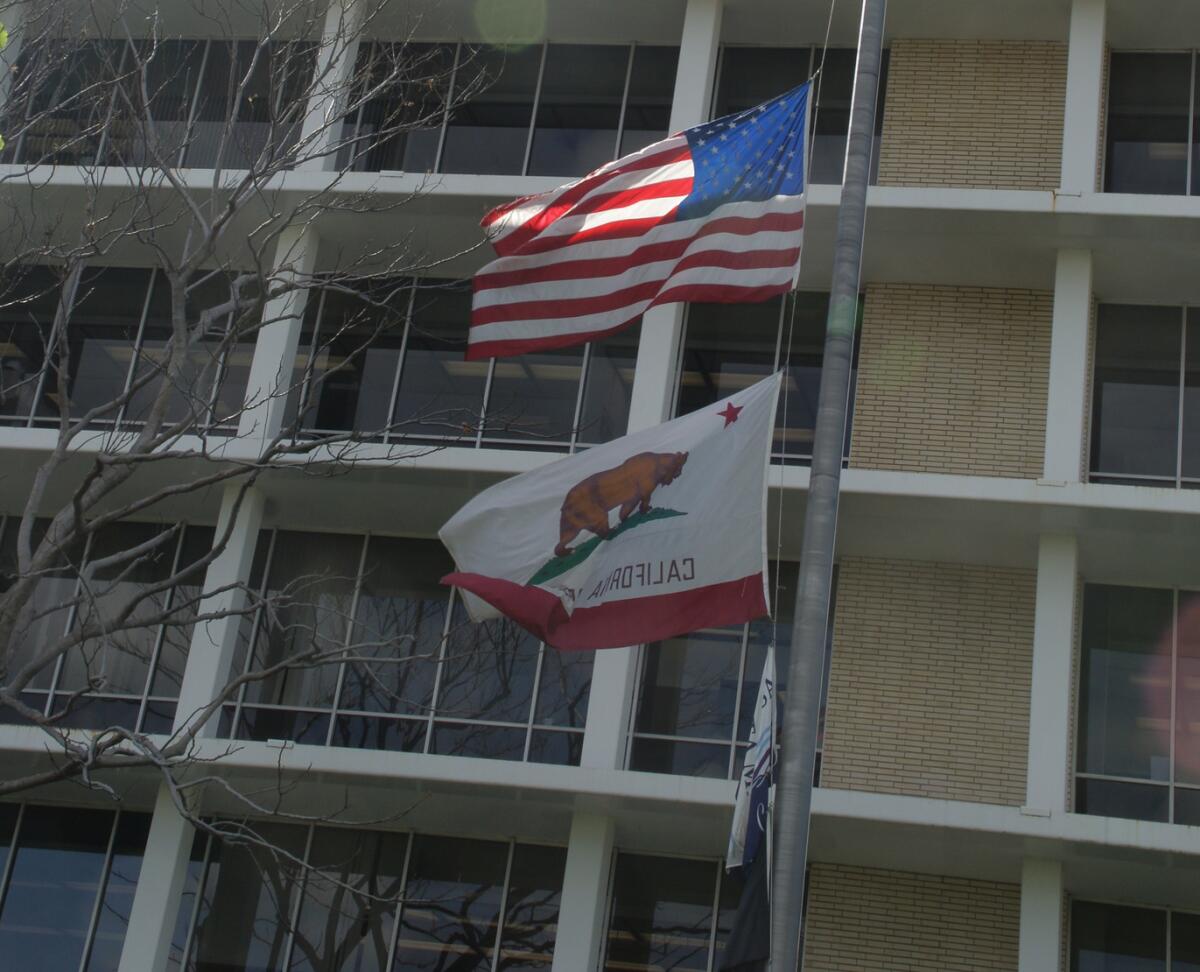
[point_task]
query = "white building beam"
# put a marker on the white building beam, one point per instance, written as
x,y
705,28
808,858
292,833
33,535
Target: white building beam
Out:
x,y
579,941
1084,101
336,58
1066,400
615,672
1040,939
1047,782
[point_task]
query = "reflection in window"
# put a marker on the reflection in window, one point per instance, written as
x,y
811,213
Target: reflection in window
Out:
x,y
1151,124
1116,938
70,883
729,347
748,76
1140,662
422,677
696,700
370,900
1146,396
551,109
669,913
135,669
389,363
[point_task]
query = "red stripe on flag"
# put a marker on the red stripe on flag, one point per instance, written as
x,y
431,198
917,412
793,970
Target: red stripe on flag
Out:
x,y
619,623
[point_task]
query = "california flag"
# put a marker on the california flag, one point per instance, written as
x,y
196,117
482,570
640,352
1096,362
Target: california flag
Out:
x,y
653,535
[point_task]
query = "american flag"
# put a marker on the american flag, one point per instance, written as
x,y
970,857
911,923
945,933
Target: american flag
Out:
x,y
715,213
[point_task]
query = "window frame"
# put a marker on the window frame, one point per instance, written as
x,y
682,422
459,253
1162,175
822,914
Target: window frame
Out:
x,y
1113,903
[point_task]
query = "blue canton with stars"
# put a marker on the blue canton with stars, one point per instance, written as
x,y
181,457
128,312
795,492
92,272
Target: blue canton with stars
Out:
x,y
748,157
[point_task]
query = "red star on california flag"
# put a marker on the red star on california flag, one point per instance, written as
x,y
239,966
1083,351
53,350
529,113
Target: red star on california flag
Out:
x,y
730,413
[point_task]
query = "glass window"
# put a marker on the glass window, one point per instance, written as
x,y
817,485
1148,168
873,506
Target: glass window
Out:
x,y
1140,660
489,131
1148,123
1136,393
579,108
70,887
1111,938
648,100
28,302
422,677
172,73
730,347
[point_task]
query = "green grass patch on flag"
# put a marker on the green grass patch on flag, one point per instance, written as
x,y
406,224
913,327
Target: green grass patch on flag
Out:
x,y
560,565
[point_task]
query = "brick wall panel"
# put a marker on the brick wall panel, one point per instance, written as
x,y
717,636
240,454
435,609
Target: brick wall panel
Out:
x,y
866,919
973,114
952,380
929,680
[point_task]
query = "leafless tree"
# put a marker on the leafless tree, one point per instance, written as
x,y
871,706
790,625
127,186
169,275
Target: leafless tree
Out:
x,y
95,94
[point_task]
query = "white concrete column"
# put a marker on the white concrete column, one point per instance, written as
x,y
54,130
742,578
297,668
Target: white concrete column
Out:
x,y
1084,102
334,69
1041,916
614,675
1066,401
159,888
275,347
579,944
213,642
1047,783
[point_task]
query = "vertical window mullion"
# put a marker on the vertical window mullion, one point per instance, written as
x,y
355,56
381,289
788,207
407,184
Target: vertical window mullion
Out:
x,y
487,394
1182,393
254,631
737,701
437,673
195,106
537,98
401,902
294,910
533,700
712,929
6,873
584,368
624,99
306,382
137,346
1187,189
1171,733
66,297
101,888
391,411
346,641
190,938
72,617
508,863
156,652
441,143
102,144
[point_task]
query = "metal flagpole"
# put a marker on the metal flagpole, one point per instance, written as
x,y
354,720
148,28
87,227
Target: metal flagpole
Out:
x,y
805,670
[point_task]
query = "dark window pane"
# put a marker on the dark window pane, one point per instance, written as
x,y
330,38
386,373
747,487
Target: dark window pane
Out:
x,y
187,901
1109,938
531,915
563,688
707,760
1148,97
661,913
1135,400
804,316
648,103
727,903
752,75
1133,801
489,132
690,685
1190,465
248,896
1187,806
8,826
56,875
608,384
176,636
113,919
1185,942
399,129
454,890
367,732
1187,689
440,395
352,368
349,904
400,618
533,396
556,748
488,671
96,712
579,107
172,71
312,578
1124,694
484,742
102,333
725,350
28,302
310,728
834,89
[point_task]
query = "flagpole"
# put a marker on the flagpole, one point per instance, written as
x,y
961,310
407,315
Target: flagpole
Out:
x,y
806,668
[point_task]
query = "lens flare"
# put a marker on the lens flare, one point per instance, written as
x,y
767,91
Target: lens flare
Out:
x,y
511,23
